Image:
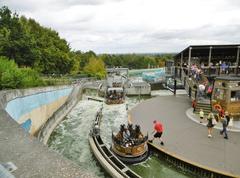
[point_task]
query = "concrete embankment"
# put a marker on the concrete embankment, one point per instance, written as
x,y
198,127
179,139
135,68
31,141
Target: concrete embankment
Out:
x,y
32,158
59,115
32,109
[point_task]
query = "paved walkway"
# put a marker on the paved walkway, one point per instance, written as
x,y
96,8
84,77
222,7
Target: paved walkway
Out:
x,y
196,118
32,158
186,138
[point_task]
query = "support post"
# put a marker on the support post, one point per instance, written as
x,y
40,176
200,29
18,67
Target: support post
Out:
x,y
189,60
189,92
209,60
237,60
175,86
175,71
181,64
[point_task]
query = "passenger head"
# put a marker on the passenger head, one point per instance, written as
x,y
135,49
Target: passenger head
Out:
x,y
122,127
137,128
130,126
154,121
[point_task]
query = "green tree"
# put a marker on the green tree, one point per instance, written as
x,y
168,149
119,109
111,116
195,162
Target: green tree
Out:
x,y
52,52
31,45
85,57
15,43
95,67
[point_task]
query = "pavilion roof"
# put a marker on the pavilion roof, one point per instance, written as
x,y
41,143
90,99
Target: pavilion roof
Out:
x,y
203,51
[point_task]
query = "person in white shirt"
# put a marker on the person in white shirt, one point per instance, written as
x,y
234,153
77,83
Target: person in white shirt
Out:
x,y
201,114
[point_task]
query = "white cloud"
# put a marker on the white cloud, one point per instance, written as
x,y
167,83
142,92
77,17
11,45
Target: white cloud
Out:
x,y
118,26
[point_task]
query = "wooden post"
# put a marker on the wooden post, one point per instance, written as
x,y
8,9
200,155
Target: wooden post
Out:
x,y
181,65
175,72
209,59
237,61
175,86
189,60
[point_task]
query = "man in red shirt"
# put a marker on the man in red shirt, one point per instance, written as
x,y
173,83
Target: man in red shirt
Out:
x,y
158,129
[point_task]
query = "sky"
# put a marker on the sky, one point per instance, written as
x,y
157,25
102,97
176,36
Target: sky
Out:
x,y
136,26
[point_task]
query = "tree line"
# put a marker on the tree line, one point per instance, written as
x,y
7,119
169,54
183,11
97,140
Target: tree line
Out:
x,y
41,49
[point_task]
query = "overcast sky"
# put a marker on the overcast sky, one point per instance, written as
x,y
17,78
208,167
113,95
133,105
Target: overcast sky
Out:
x,y
140,26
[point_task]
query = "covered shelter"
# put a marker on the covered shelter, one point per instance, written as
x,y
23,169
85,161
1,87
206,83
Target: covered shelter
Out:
x,y
211,58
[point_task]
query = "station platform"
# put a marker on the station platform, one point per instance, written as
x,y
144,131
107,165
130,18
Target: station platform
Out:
x,y
185,138
196,118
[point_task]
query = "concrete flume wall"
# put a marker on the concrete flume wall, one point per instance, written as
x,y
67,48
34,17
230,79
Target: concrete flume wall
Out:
x,y
59,115
32,158
31,110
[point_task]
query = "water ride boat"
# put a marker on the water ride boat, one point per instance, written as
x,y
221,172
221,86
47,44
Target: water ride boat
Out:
x,y
115,92
130,145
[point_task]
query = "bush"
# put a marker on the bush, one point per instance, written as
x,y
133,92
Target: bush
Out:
x,y
10,76
13,77
30,78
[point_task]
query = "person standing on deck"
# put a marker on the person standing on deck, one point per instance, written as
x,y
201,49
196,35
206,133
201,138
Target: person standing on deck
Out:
x,y
158,130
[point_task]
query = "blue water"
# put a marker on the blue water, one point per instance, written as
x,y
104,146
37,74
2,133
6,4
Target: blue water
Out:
x,y
20,106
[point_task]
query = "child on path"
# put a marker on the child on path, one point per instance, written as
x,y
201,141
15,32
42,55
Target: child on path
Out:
x,y
210,124
201,114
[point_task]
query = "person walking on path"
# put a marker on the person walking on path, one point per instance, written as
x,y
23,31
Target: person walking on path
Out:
x,y
201,114
158,130
210,124
224,125
227,117
194,103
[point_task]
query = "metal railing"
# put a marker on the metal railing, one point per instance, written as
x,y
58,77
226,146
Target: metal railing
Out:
x,y
211,71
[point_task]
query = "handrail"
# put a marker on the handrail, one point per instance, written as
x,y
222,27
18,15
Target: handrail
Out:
x,y
215,70
137,142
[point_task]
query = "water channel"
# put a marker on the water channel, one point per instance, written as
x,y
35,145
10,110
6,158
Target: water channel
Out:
x,y
70,138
